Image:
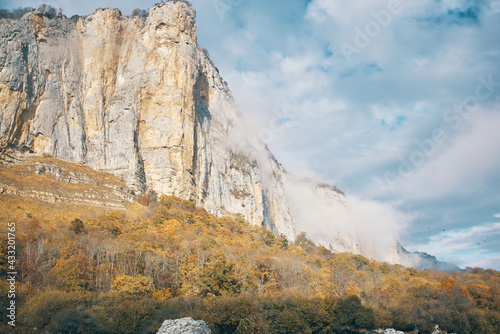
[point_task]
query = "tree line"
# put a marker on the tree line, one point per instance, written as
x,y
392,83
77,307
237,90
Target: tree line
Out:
x,y
127,271
17,13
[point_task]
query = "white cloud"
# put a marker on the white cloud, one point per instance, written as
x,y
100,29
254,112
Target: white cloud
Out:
x,y
495,6
466,247
464,237
492,262
347,223
459,165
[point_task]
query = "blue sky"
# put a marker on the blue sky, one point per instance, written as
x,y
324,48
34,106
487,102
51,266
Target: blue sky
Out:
x,y
394,101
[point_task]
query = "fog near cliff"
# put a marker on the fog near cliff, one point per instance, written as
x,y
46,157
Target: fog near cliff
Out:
x,y
346,223
340,222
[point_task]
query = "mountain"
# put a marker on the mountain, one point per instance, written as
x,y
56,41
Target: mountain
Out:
x,y
422,260
137,97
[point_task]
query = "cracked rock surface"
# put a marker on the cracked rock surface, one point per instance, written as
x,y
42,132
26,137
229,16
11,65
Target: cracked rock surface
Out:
x,y
136,97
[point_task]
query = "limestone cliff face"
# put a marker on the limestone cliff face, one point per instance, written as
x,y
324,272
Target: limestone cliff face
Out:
x,y
138,98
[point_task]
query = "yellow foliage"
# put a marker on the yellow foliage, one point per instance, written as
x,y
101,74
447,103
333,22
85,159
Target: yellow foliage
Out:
x,y
139,285
172,228
137,212
162,294
190,276
326,287
353,289
393,287
73,272
174,249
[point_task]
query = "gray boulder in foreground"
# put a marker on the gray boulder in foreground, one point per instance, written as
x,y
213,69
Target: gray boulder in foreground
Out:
x,y
392,331
184,326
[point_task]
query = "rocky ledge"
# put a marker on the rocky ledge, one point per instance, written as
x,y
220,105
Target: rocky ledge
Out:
x,y
52,180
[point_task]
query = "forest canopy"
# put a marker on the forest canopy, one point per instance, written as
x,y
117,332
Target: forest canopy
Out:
x,y
87,271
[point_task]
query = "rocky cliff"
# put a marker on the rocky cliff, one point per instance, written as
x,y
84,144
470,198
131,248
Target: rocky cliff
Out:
x,y
135,97
421,260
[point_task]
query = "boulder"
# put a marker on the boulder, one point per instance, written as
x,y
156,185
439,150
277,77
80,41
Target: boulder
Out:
x,y
392,331
184,326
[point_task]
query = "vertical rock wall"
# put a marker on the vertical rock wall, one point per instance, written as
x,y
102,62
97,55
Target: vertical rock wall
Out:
x,y
135,97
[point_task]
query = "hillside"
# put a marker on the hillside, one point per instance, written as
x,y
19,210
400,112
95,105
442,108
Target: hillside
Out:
x,y
136,194
56,181
138,98
88,269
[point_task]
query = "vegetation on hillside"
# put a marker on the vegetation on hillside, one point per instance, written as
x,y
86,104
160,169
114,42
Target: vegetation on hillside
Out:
x,y
82,271
17,13
20,11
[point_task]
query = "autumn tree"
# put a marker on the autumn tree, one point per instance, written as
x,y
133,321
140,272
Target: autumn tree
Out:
x,y
266,279
73,271
139,285
77,226
288,321
350,313
42,310
218,277
226,313
255,323
190,272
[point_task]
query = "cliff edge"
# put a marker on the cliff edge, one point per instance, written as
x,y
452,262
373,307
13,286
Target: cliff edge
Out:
x,y
135,97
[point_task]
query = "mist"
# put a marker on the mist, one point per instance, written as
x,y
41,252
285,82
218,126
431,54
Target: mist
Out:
x,y
346,223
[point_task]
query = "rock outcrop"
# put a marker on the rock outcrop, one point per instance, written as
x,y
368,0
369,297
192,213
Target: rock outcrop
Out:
x,y
136,97
56,181
184,326
421,260
392,331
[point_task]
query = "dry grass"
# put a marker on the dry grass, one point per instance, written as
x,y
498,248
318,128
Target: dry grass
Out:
x,y
86,199
63,181
20,209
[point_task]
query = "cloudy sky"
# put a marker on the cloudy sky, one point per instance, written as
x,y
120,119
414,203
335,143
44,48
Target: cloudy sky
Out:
x,y
394,101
